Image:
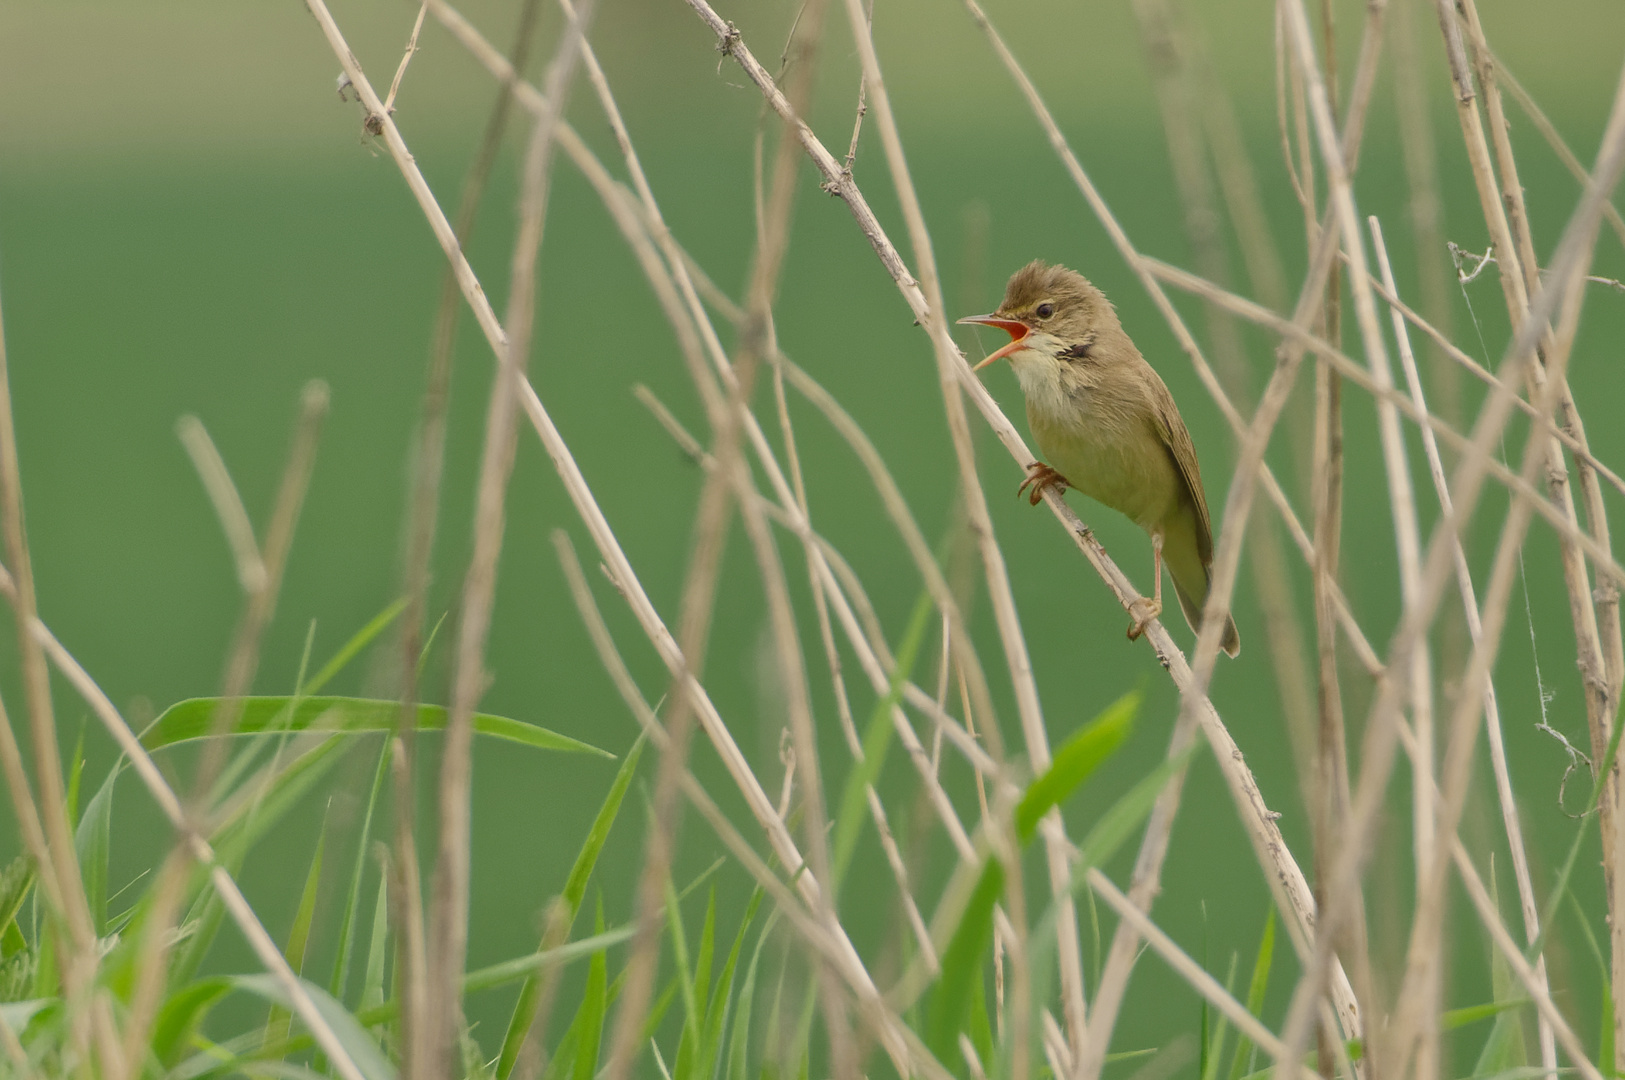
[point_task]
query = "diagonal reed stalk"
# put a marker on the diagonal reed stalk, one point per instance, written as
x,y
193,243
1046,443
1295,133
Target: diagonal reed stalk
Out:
x,y
1324,152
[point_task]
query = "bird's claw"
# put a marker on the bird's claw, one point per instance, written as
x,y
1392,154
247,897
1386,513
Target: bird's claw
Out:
x,y
1142,611
1039,477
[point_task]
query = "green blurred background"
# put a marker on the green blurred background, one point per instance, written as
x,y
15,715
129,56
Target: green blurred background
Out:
x,y
191,222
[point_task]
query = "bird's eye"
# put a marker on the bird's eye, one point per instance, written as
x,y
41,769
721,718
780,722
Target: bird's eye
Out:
x,y
1045,310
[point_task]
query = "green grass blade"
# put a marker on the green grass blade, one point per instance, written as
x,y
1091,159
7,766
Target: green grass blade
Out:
x,y
1241,1062
92,841
1213,1046
739,1040
372,980
299,936
962,965
181,1014
1505,1048
716,1013
687,1064
368,1058
575,888
248,823
352,901
363,637
15,881
594,1004
76,774
1605,1049
191,719
1075,761
277,1025
685,971
1125,815
876,742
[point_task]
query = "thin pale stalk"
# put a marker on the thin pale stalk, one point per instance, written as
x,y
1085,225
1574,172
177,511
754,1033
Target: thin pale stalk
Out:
x,y
1407,543
1286,880
57,858
447,936
1252,446
1169,46
260,605
1571,261
793,904
422,524
1554,139
1492,711
1597,610
228,503
1006,617
1194,975
844,591
1354,373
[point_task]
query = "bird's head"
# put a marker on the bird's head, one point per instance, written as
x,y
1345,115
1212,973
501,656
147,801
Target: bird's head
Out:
x,y
1052,315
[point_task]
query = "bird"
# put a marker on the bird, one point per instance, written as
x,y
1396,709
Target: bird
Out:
x,y
1109,428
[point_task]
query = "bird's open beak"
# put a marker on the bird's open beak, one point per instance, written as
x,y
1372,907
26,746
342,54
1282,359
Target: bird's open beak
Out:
x,y
1018,332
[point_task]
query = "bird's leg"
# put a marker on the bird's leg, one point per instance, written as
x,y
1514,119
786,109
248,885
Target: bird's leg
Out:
x,y
1143,610
1041,476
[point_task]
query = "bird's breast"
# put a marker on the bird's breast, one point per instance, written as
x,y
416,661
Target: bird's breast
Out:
x,y
1107,449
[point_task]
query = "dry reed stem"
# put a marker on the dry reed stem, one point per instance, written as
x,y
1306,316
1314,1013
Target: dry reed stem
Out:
x,y
406,58
169,804
1417,148
717,495
679,267
228,503
1354,373
406,912
950,366
1506,223
1171,48
1415,1002
792,903
1286,880
1605,604
879,666
1402,500
60,861
259,606
1188,969
1469,599
1572,259
1335,154
1554,139
448,918
1595,614
422,525
758,341
1273,401
1598,610
826,634
1565,292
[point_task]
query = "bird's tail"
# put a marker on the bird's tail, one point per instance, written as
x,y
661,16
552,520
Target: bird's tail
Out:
x,y
1191,600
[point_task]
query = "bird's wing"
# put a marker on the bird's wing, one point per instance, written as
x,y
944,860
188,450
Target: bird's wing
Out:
x,y
1177,440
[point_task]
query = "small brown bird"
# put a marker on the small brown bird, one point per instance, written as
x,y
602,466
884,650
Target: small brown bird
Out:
x,y
1106,421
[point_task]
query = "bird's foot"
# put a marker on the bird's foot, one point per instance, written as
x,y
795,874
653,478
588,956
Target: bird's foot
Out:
x,y
1039,477
1142,611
